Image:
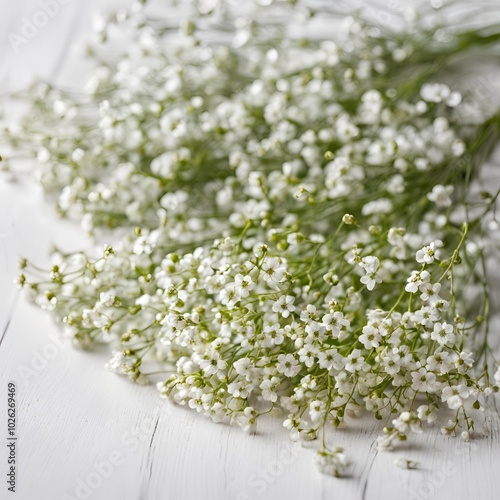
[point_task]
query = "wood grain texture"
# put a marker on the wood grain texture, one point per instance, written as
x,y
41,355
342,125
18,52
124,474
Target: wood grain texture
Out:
x,y
75,418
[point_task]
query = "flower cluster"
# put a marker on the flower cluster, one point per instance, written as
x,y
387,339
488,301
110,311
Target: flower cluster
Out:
x,y
297,218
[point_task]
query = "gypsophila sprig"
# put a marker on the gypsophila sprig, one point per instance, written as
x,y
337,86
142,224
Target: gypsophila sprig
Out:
x,y
299,228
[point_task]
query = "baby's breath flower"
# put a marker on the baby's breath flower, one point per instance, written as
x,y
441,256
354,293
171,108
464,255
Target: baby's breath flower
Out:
x,y
440,195
405,463
428,253
332,463
297,234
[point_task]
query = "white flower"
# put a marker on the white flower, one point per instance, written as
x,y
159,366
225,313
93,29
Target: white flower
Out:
x,y
329,359
229,296
307,355
355,362
441,361
273,335
243,285
284,305
497,376
455,395
317,410
336,323
464,361
116,362
269,387
426,414
407,422
46,301
107,298
243,366
440,195
405,463
394,359
426,315
371,337
288,365
332,463
248,420
371,265
435,92
273,271
386,442
315,332
430,292
416,279
239,389
424,381
212,364
428,253
443,333
309,313
458,147
380,206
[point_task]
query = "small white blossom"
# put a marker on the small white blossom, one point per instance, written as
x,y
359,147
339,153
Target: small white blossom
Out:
x,y
269,387
243,285
332,463
455,395
443,333
371,265
284,305
428,253
288,365
440,195
405,463
424,381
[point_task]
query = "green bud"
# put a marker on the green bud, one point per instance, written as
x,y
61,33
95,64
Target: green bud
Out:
x,y
349,220
134,309
282,245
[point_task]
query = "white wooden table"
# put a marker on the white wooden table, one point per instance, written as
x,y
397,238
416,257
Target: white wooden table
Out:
x,y
84,433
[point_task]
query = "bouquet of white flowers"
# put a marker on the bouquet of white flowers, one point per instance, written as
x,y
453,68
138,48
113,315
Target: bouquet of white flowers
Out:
x,y
298,233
